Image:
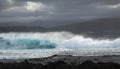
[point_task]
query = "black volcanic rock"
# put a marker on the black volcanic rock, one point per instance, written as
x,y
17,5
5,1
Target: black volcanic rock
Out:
x,y
67,66
91,65
88,65
59,65
109,65
53,65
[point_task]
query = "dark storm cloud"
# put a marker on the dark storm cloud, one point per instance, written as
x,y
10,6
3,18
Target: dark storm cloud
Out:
x,y
57,10
4,4
80,2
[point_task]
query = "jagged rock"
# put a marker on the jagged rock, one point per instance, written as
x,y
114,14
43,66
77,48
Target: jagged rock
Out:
x,y
108,65
53,65
59,65
67,66
88,65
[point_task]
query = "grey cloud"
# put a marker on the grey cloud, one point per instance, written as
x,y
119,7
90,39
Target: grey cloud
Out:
x,y
60,10
4,4
78,1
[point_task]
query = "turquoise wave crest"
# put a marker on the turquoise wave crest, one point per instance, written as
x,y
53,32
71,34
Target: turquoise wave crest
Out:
x,y
27,44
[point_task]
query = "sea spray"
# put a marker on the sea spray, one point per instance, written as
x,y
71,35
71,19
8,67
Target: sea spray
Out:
x,y
52,40
36,45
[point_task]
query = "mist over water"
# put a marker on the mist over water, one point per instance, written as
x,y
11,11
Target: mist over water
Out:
x,y
25,45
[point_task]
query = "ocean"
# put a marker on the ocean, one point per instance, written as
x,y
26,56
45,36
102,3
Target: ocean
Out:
x,y
16,45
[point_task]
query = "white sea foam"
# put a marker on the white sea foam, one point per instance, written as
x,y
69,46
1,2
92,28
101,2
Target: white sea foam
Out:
x,y
81,42
35,45
59,39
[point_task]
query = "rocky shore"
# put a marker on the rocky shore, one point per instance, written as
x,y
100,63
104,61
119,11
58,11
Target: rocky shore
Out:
x,y
63,62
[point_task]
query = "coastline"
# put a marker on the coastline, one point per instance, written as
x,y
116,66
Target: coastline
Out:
x,y
58,61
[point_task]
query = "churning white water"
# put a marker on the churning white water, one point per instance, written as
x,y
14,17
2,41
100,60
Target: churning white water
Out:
x,y
35,45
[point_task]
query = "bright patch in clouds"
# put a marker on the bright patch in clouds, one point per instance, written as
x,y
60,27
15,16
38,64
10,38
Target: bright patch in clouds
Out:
x,y
10,1
33,6
28,6
113,6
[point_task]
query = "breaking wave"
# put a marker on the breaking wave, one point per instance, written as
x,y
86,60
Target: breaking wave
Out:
x,y
52,40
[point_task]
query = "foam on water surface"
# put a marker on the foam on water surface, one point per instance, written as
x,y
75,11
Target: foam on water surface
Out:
x,y
34,45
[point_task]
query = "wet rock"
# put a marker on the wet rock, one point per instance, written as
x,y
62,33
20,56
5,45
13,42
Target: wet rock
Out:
x,y
59,65
91,65
67,66
88,65
108,65
53,65
38,66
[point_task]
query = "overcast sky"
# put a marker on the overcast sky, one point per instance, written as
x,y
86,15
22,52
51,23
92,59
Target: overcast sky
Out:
x,y
26,11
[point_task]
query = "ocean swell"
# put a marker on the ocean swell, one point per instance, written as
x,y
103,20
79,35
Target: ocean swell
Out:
x,y
26,44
